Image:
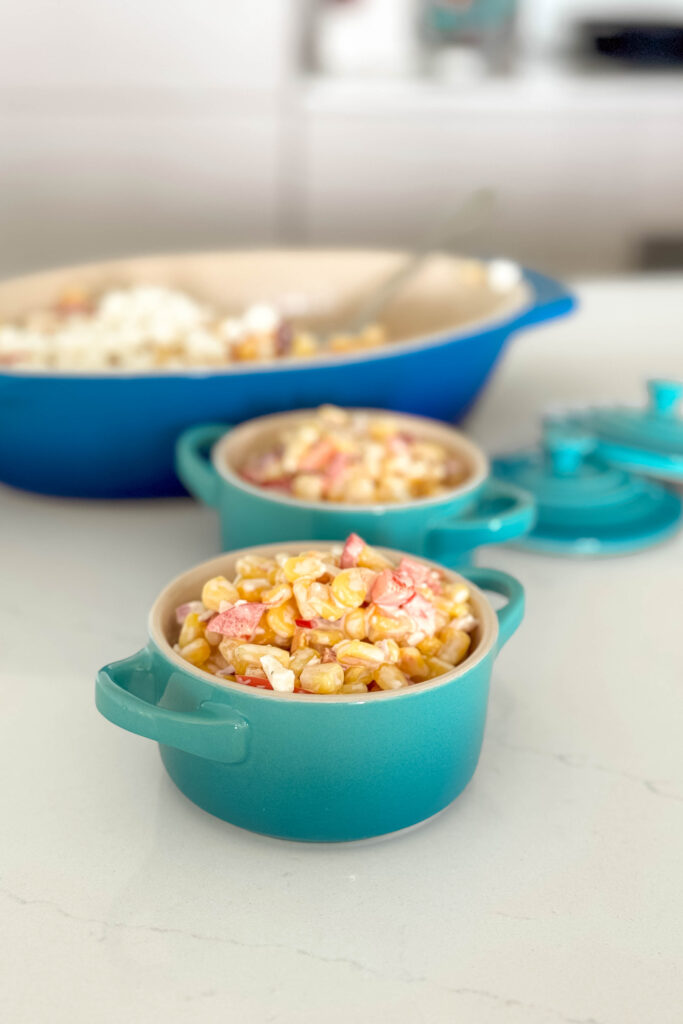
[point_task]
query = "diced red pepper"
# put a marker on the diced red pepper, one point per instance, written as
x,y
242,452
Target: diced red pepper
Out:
x,y
391,589
257,681
240,620
304,623
317,455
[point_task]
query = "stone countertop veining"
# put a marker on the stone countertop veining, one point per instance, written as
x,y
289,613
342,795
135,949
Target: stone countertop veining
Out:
x,y
548,893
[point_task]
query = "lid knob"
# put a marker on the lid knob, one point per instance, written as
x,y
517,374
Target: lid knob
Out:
x,y
566,449
664,396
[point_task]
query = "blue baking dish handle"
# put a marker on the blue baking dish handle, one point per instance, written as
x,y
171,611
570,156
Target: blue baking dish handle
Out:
x,y
550,300
503,512
192,462
212,730
511,614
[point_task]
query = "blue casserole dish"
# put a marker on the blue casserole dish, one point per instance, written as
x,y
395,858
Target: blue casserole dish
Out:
x,y
112,434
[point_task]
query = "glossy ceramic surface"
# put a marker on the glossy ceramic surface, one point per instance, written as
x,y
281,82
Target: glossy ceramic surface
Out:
x,y
306,767
585,506
112,435
448,528
646,440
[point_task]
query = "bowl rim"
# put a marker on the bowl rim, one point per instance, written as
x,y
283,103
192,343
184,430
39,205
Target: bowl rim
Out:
x,y
488,626
513,306
472,483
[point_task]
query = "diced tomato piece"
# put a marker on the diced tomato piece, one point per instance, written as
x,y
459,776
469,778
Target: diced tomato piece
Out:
x,y
352,551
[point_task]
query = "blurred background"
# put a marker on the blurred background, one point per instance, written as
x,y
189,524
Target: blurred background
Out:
x,y
152,125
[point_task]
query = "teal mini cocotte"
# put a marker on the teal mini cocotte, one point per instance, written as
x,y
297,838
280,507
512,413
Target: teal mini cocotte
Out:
x,y
479,511
308,767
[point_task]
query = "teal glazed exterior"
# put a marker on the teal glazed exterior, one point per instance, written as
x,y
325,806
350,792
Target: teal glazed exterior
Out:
x,y
310,768
447,529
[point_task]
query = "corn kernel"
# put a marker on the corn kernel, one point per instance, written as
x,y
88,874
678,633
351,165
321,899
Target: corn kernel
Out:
x,y
304,656
389,677
301,588
390,650
324,638
349,588
456,592
315,600
341,342
216,590
455,645
355,624
255,567
308,486
441,620
454,609
227,648
216,662
192,629
356,652
282,618
371,559
413,663
382,427
322,678
196,652
373,334
359,490
303,567
354,688
358,675
384,627
277,594
265,634
304,344
430,646
437,667
252,588
248,656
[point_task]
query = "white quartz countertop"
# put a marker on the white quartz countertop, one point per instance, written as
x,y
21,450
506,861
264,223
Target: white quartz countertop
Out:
x,y
550,892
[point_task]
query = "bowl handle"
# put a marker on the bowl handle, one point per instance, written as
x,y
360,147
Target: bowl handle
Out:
x,y
511,614
192,463
502,512
550,299
212,730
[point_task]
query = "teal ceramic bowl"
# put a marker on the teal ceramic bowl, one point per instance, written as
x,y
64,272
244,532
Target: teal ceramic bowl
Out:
x,y
479,511
306,767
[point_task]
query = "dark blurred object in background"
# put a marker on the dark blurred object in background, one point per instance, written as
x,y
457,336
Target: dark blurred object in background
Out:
x,y
636,42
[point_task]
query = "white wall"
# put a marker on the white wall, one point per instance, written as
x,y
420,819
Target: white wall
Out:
x,y
140,124
146,125
227,44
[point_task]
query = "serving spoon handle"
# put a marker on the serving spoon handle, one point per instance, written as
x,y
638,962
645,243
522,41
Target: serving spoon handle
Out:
x,y
467,216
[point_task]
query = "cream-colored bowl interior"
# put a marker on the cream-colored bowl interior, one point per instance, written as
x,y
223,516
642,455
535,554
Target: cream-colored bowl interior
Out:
x,y
447,293
163,627
262,434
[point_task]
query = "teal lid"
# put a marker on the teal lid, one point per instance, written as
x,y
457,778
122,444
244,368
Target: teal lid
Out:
x,y
585,506
647,440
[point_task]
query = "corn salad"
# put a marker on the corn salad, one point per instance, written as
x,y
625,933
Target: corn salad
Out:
x,y
345,620
355,457
148,327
